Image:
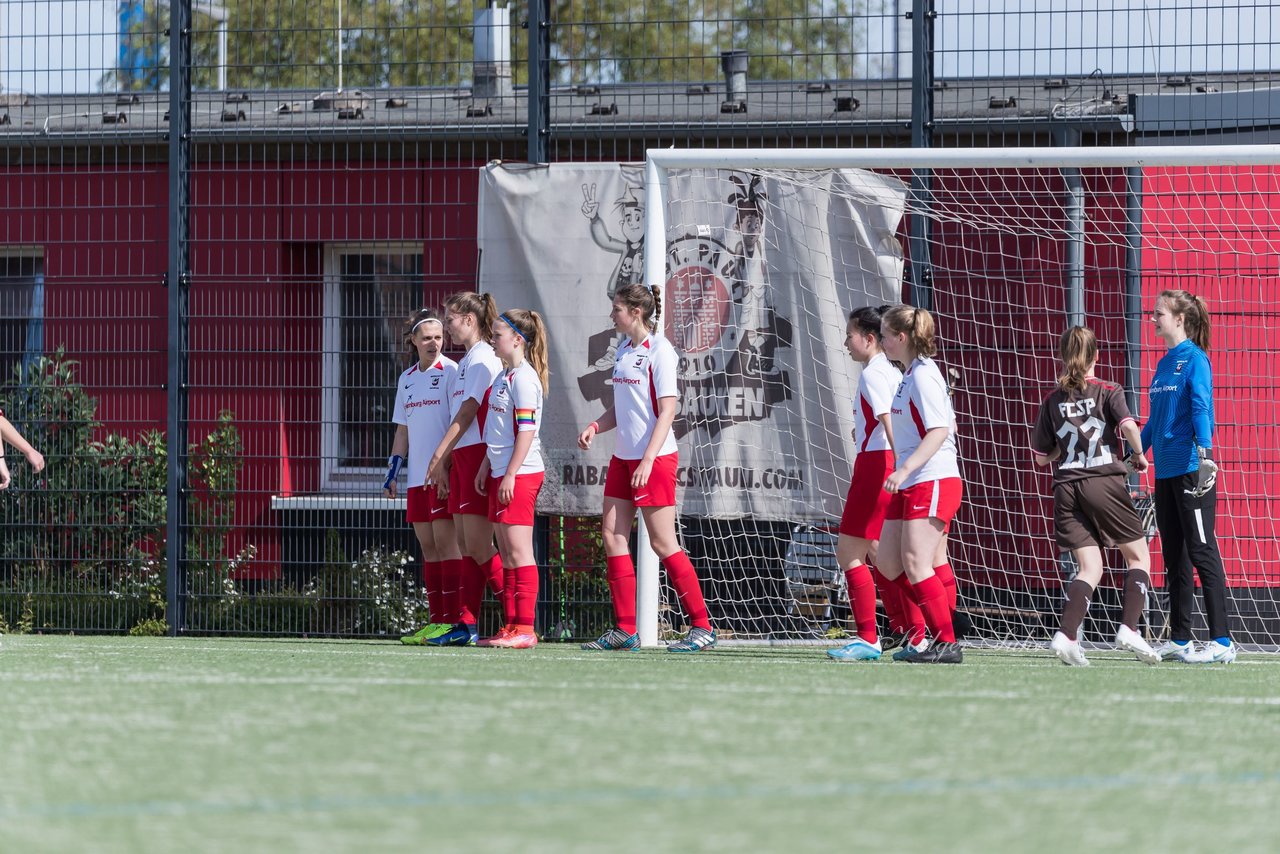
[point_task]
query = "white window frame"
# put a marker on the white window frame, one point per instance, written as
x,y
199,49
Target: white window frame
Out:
x,y
335,478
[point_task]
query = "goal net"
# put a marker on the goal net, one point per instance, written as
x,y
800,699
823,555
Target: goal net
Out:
x,y
763,255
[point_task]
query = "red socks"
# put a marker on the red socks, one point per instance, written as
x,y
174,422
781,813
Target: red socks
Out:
x,y
932,596
862,600
892,599
685,580
450,588
507,596
912,614
621,574
526,595
948,579
432,579
470,591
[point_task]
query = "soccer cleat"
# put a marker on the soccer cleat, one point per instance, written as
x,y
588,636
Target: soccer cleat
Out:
x,y
1213,653
461,634
521,640
1068,651
1171,651
424,634
1128,639
614,639
909,650
859,650
893,640
940,652
696,641
497,640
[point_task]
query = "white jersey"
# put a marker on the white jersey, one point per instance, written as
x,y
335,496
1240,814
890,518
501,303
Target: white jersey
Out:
x,y
513,406
642,375
476,373
921,404
876,386
422,405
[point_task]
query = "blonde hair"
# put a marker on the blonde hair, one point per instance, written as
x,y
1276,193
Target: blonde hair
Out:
x,y
534,332
1078,349
480,306
1194,314
647,299
917,324
412,322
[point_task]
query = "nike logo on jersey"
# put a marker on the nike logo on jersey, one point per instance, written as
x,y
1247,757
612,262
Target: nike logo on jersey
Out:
x,y
919,509
639,497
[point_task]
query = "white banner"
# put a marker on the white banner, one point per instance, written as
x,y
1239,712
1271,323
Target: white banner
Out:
x,y
761,274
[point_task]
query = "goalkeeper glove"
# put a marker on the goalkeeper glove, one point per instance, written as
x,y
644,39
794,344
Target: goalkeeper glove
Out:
x,y
393,468
1206,474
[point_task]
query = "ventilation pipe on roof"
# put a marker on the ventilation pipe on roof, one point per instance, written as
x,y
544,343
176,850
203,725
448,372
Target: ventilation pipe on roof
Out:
x,y
491,53
734,65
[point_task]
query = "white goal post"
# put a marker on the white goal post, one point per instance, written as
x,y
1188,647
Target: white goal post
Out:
x,y
1040,223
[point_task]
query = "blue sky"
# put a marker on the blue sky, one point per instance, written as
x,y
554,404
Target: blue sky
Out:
x,y
67,45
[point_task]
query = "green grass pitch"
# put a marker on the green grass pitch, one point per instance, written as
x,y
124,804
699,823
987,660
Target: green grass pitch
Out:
x,y
132,744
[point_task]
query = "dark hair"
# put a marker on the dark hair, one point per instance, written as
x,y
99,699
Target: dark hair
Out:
x,y
480,306
412,322
1194,314
918,325
1078,349
534,332
867,319
647,299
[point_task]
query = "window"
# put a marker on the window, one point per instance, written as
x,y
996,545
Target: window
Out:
x,y
368,294
21,308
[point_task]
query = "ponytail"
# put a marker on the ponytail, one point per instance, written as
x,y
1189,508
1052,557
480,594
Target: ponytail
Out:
x,y
656,293
534,332
917,324
1078,349
1194,313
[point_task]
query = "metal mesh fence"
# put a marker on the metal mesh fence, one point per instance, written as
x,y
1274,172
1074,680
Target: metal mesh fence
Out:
x,y
328,174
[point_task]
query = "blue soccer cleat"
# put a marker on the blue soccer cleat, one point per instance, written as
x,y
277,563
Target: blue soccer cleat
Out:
x,y
462,634
696,641
614,639
859,650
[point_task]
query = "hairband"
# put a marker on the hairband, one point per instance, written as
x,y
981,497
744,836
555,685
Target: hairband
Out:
x,y
415,326
507,320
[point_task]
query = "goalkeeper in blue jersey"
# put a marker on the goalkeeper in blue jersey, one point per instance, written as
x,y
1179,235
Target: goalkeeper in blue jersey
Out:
x,y
1180,431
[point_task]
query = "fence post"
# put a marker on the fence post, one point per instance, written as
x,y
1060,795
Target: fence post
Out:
x,y
539,80
176,280
922,18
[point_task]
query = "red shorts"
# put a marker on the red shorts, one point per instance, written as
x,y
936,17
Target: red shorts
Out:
x,y
424,505
932,499
463,498
660,491
521,509
867,503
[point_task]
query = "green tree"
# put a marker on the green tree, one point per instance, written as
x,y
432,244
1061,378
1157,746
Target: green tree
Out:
x,y
293,44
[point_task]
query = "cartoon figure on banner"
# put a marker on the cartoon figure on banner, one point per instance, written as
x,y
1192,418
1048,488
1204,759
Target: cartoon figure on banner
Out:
x,y
629,270
722,322
760,325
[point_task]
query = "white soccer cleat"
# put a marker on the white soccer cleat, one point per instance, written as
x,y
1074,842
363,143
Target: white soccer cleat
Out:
x,y
1213,653
1067,650
1128,639
1171,651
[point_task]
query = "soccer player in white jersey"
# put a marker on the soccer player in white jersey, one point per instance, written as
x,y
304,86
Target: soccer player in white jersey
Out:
x,y
642,472
421,415
867,502
469,319
925,483
512,472
1077,426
